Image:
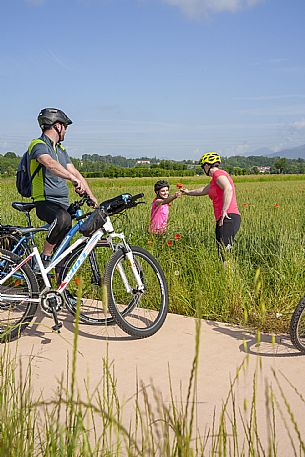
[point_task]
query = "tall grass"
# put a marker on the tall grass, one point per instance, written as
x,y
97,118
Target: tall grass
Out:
x,y
91,422
266,278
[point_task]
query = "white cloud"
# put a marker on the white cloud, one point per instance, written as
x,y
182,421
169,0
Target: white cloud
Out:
x,y
193,8
299,125
242,149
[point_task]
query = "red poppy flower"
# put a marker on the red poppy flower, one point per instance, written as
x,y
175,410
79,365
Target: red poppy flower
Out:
x,y
276,204
177,236
180,185
246,204
169,243
77,281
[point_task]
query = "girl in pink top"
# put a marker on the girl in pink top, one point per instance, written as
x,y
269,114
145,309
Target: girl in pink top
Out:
x,y
221,191
160,207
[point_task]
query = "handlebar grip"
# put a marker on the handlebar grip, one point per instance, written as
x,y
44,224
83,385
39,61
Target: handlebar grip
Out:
x,y
137,196
90,203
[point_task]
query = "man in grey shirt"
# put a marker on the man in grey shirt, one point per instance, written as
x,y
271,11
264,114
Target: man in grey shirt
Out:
x,y
49,186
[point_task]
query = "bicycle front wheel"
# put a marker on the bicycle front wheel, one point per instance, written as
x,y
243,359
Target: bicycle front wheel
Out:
x,y
140,313
16,308
87,284
297,326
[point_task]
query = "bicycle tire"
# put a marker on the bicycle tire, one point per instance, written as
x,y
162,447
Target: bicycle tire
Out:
x,y
297,326
8,241
150,306
92,310
15,317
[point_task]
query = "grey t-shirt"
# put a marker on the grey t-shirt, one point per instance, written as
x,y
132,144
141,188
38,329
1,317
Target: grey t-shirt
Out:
x,y
46,185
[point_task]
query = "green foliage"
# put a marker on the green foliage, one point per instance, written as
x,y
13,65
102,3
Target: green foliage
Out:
x,y
281,164
271,239
8,164
94,165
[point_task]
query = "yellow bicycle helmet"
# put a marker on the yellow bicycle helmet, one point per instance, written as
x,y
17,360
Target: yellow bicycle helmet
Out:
x,y
210,158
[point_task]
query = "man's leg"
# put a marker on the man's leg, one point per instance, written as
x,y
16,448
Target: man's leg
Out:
x,y
60,223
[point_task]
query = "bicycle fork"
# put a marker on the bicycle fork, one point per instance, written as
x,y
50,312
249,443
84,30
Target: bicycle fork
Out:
x,y
135,271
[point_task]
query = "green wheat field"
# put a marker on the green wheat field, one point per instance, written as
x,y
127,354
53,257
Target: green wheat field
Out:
x,y
265,279
260,289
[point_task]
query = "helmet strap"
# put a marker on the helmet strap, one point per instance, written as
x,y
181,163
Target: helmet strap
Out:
x,y
57,131
207,172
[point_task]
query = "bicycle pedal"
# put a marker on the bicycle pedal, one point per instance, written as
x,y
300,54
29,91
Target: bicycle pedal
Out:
x,y
57,327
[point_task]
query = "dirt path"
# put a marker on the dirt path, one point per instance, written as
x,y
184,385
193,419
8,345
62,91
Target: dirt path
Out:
x,y
223,349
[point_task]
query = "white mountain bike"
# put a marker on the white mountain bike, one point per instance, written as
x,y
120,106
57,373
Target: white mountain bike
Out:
x,y
128,289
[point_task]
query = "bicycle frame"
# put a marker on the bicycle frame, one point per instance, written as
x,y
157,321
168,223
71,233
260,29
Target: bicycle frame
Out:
x,y
28,237
90,245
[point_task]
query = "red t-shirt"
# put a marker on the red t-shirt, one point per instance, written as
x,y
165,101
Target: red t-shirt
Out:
x,y
216,195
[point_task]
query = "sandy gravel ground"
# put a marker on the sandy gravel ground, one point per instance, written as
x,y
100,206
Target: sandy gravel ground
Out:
x,y
223,349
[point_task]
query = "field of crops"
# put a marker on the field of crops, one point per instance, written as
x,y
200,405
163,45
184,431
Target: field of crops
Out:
x,y
266,277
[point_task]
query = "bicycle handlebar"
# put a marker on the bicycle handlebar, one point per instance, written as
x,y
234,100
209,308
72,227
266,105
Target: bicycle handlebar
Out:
x,y
120,203
77,204
137,196
108,208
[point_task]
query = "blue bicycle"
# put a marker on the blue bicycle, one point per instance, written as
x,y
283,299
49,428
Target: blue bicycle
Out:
x,y
132,292
20,241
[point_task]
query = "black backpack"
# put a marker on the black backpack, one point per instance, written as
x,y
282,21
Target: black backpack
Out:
x,y
23,176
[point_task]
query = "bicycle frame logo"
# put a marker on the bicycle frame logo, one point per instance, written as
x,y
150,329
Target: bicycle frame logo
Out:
x,y
84,254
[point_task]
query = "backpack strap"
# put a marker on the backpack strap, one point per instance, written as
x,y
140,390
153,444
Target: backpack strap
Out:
x,y
33,143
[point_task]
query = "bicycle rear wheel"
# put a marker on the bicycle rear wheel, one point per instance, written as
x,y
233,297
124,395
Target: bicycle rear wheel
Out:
x,y
297,326
13,243
138,313
88,283
17,313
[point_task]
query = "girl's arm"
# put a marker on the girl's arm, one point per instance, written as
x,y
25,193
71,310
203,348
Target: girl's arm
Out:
x,y
225,185
197,192
166,201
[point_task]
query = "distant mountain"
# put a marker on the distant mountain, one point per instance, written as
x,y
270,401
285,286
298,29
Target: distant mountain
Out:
x,y
292,153
266,152
297,152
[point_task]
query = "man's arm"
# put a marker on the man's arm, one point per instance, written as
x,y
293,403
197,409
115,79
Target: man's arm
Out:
x,y
71,168
58,170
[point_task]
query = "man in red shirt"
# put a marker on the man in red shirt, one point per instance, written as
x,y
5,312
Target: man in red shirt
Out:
x,y
221,191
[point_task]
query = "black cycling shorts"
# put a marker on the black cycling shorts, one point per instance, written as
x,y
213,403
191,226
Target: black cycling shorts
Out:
x,y
225,233
59,219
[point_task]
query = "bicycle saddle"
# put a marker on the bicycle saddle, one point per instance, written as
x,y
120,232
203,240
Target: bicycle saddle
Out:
x,y
23,206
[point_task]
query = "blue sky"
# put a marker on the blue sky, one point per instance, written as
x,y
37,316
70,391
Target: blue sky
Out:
x,y
164,78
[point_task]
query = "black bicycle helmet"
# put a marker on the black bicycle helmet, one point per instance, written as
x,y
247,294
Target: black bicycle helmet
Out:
x,y
160,184
48,116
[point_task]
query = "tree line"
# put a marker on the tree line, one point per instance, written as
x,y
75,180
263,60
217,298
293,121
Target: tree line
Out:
x,y
118,166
